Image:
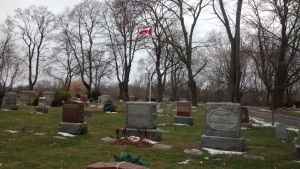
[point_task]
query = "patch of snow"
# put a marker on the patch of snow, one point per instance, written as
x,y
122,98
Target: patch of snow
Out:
x,y
290,128
200,162
66,134
184,162
177,124
11,131
161,124
60,137
93,105
266,110
296,161
260,122
213,151
244,128
0,164
206,158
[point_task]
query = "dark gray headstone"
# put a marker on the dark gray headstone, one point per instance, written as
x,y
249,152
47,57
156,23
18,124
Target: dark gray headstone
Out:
x,y
222,127
9,101
141,115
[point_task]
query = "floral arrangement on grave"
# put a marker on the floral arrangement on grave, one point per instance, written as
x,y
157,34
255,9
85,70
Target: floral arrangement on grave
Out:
x,y
127,157
109,106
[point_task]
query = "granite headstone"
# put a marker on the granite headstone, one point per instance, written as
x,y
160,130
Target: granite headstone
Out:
x,y
141,120
9,101
222,127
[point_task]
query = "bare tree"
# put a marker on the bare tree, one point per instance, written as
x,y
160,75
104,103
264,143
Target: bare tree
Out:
x,y
34,26
277,24
234,38
122,24
184,46
9,63
82,31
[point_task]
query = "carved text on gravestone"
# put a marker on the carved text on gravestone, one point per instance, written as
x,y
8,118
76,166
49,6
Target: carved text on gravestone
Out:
x,y
221,119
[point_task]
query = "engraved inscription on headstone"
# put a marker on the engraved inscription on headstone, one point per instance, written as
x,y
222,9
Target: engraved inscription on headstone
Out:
x,y
140,115
221,119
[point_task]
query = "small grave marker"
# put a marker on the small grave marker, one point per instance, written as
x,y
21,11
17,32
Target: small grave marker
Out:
x,y
184,109
281,132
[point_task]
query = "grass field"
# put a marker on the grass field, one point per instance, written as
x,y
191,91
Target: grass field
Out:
x,y
25,150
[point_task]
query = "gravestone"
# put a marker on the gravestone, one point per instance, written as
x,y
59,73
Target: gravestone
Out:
x,y
141,120
27,97
159,109
42,108
168,109
183,116
103,99
281,132
73,120
222,127
245,117
9,101
49,95
166,99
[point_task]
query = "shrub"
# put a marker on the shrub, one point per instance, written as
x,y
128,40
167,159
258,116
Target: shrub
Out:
x,y
297,103
59,97
36,99
126,157
109,106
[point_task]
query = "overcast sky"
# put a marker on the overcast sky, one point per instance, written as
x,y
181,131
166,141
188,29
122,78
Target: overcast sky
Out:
x,y
7,7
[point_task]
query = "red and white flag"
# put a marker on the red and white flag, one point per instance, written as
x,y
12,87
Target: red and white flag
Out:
x,y
146,31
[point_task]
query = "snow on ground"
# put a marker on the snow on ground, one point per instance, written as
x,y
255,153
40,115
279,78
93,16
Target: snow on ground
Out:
x,y
261,123
213,151
184,162
11,131
66,134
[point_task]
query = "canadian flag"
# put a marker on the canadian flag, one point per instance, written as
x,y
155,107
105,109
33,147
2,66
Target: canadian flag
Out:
x,y
146,31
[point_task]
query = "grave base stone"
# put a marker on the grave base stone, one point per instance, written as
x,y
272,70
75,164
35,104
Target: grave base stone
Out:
x,y
41,109
223,143
10,107
183,120
73,128
151,134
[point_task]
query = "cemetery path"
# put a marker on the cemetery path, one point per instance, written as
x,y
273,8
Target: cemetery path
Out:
x,y
266,114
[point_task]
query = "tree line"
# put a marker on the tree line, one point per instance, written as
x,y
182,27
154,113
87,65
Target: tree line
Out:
x,y
256,49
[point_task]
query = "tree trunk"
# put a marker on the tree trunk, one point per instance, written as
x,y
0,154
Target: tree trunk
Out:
x,y
160,88
121,90
193,90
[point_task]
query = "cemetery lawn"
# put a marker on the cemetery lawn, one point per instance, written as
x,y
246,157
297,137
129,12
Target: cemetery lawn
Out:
x,y
26,149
